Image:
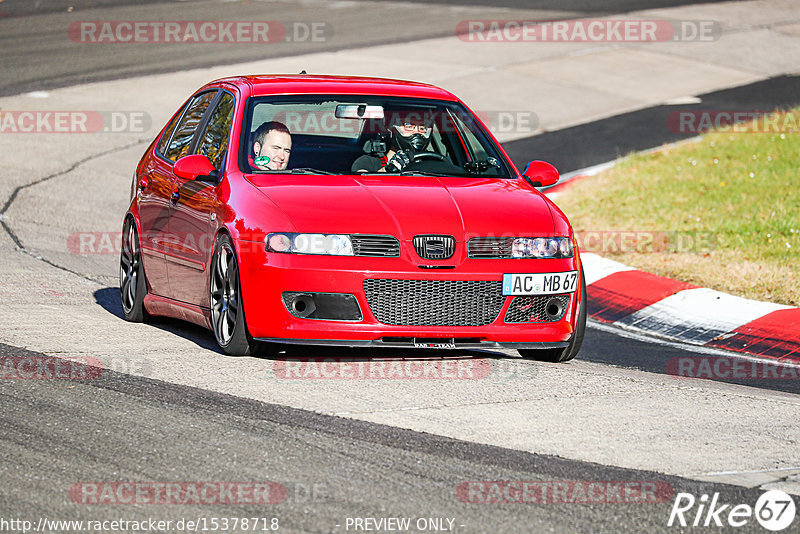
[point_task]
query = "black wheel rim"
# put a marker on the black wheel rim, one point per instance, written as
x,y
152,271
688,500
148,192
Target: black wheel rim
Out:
x,y
129,267
224,294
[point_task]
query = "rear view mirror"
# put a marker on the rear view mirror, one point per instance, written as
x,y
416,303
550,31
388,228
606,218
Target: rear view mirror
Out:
x,y
358,111
195,167
540,174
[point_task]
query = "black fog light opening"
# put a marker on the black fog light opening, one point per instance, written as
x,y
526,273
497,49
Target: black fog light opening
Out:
x,y
554,309
322,306
303,305
537,309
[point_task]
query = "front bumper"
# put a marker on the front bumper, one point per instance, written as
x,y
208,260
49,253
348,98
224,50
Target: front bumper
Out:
x,y
419,343
266,276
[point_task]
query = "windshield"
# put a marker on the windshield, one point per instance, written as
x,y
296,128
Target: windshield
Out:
x,y
346,134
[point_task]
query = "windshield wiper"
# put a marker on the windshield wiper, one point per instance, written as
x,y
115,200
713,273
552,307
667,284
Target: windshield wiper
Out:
x,y
309,170
418,173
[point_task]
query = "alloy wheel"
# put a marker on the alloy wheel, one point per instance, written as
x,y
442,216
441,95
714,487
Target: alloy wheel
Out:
x,y
224,294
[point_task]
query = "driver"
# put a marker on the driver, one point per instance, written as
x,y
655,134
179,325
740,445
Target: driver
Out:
x,y
272,146
409,133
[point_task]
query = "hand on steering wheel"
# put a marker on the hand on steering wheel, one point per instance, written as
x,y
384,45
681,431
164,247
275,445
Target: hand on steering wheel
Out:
x,y
399,161
428,155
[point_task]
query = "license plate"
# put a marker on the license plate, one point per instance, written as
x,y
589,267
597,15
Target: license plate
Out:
x,y
540,283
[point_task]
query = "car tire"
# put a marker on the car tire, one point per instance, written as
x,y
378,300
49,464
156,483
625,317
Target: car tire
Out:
x,y
132,279
571,350
227,313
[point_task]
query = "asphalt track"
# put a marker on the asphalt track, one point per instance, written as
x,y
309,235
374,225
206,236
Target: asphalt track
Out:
x,y
35,56
125,427
24,7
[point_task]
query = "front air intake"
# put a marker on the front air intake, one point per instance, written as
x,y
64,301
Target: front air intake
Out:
x,y
435,302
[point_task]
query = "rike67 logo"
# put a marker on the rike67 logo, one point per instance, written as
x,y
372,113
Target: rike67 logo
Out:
x,y
774,511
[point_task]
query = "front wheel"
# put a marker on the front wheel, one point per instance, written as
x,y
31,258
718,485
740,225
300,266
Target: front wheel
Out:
x,y
227,313
571,350
132,281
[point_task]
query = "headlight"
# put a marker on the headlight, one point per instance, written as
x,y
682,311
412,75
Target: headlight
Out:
x,y
542,247
279,243
338,245
565,248
329,244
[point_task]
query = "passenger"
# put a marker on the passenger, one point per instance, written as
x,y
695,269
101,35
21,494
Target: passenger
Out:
x,y
272,145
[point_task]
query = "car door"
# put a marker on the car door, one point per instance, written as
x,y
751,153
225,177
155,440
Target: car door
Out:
x,y
193,208
154,186
160,177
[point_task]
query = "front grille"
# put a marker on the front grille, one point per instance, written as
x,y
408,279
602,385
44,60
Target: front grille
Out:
x,y
533,309
490,247
434,302
435,247
375,245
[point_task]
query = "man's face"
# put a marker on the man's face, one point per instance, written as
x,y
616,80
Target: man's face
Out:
x,y
413,133
277,146
410,126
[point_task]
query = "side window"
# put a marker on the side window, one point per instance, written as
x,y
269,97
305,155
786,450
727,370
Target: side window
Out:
x,y
179,146
214,141
162,143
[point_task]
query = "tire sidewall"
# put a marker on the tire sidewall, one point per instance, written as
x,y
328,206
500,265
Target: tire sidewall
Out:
x,y
137,313
580,325
240,343
570,351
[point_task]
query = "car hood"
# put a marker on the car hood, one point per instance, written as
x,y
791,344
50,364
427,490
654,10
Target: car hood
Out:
x,y
405,206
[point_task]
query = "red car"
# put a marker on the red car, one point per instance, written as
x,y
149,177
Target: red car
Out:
x,y
348,211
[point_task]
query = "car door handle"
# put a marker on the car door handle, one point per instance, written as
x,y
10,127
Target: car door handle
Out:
x,y
176,195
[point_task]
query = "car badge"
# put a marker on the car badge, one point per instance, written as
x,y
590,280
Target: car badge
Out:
x,y
435,247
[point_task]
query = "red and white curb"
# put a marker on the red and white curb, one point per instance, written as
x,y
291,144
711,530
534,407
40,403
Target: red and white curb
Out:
x,y
640,301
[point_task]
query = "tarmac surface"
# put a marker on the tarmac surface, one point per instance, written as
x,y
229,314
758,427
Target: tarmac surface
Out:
x,y
123,428
36,55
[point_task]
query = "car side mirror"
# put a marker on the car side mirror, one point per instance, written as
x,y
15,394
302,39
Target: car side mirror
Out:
x,y
195,167
540,174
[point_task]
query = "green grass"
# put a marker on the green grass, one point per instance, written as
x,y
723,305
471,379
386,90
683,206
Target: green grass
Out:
x,y
744,188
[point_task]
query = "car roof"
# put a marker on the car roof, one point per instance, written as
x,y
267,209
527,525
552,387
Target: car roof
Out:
x,y
324,84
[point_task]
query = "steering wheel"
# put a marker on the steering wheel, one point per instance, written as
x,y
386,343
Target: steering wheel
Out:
x,y
428,155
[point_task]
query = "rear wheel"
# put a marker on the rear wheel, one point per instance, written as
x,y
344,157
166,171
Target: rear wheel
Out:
x,y
571,350
132,281
227,314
